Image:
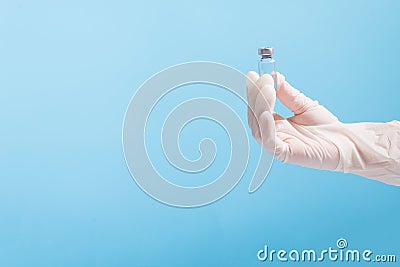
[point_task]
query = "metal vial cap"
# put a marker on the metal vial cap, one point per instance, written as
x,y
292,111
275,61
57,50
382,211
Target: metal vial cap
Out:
x,y
266,51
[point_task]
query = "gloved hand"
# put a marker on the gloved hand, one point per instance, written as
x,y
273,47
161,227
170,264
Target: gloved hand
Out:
x,y
315,138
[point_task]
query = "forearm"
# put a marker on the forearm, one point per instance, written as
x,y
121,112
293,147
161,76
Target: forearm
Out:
x,y
371,150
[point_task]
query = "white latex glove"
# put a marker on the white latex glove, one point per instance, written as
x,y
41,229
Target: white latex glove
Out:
x,y
315,138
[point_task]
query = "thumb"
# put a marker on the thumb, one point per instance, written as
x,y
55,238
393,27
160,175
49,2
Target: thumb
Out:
x,y
306,110
292,98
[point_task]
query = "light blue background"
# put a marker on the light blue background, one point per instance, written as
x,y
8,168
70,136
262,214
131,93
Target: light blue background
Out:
x,y
67,73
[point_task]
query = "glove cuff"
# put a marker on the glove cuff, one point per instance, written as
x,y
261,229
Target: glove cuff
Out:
x,y
371,150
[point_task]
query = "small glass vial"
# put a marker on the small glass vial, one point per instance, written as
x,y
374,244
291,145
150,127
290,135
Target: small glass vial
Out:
x,y
266,65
